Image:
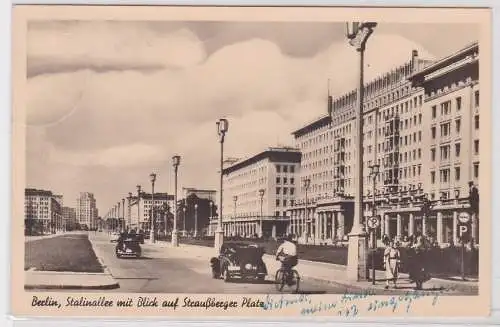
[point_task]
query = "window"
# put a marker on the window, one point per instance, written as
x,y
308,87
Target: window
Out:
x,y
285,180
285,169
420,118
445,108
292,169
476,121
458,103
284,203
445,129
457,150
433,154
433,132
278,168
278,180
476,170
457,126
292,191
285,190
277,202
476,98
434,112
278,190
444,175
292,181
420,135
433,177
457,173
445,152
476,146
419,153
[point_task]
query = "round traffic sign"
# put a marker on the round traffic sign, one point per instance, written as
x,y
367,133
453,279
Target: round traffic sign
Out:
x,y
373,222
463,217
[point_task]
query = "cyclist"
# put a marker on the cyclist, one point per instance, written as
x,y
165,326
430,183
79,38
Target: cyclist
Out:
x,y
287,254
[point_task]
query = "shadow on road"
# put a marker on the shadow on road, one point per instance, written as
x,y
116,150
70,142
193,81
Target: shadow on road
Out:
x,y
249,281
310,292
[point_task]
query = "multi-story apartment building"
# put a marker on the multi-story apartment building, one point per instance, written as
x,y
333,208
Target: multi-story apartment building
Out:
x,y
200,193
69,218
86,210
42,211
257,192
135,214
420,130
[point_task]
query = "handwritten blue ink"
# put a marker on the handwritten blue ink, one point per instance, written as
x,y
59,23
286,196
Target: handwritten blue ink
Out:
x,y
271,304
318,308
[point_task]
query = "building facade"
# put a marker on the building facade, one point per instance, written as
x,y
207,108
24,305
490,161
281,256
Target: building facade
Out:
x,y
134,211
420,129
258,191
86,210
42,212
69,218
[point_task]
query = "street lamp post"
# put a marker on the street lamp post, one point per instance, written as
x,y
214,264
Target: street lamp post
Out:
x,y
358,34
176,160
129,218
211,216
261,194
196,220
123,216
235,199
138,205
374,171
184,220
307,183
222,128
152,235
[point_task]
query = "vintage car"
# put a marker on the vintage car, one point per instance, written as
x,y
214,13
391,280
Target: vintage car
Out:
x,y
239,260
115,236
128,246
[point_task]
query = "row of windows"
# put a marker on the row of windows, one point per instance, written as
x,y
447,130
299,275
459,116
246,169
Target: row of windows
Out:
x,y
285,190
285,168
285,180
445,174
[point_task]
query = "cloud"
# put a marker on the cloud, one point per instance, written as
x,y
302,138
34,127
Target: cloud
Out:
x,y
119,124
115,157
97,45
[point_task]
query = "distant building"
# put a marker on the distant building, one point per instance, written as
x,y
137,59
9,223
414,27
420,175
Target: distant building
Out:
x,y
86,210
200,193
258,191
69,218
138,213
42,211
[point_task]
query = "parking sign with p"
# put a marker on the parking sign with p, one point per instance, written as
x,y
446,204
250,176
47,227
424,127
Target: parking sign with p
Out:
x,y
464,228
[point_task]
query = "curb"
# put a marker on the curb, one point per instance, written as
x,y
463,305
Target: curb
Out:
x,y
72,287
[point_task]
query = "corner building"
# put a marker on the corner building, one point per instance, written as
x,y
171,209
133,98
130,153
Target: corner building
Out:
x,y
258,192
421,128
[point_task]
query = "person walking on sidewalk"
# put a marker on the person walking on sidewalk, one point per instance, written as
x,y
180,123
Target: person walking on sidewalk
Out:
x,y
418,271
391,263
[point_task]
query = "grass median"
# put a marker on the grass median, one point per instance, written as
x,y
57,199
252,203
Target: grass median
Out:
x,y
72,253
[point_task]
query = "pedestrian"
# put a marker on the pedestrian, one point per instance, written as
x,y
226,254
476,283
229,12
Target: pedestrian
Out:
x,y
391,263
419,274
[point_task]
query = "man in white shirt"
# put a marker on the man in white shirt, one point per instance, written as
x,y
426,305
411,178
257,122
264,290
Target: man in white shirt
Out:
x,y
287,253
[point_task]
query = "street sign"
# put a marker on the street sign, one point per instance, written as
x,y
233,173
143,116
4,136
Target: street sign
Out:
x,y
463,217
464,232
373,222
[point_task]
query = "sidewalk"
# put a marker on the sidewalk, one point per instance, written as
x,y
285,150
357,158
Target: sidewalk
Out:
x,y
35,238
331,273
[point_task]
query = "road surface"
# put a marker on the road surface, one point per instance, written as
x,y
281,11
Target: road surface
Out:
x,y
167,270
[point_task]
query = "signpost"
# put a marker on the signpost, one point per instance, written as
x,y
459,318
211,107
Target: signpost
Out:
x,y
373,223
464,231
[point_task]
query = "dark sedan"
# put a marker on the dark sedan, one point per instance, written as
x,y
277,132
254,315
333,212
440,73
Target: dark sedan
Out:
x,y
128,246
239,261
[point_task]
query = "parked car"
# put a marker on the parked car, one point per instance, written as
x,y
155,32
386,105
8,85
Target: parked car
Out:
x,y
114,237
128,246
239,260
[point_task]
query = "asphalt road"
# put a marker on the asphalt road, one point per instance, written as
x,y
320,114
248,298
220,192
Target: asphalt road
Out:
x,y
166,270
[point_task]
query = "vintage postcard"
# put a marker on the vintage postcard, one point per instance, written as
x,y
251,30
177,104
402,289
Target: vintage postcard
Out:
x,y
245,161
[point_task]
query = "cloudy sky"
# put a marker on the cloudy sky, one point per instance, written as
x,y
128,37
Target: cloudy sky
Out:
x,y
110,102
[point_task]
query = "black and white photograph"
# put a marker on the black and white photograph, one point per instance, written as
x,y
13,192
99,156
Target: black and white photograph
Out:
x,y
258,157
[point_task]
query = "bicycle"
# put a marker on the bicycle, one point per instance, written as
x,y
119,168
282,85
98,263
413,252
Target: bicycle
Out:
x,y
283,278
